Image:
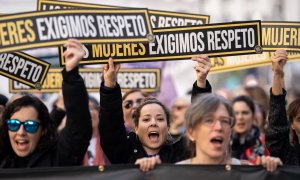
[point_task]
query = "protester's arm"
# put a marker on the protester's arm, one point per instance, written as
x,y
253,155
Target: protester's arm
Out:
x,y
74,138
57,115
112,130
278,61
58,112
277,133
202,68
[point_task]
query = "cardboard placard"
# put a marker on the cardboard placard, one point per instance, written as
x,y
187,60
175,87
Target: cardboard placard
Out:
x,y
234,63
147,80
24,68
52,28
275,35
281,35
224,39
158,19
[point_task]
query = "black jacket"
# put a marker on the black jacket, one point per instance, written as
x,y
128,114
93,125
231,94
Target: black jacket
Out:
x,y
122,148
277,133
196,91
248,148
73,141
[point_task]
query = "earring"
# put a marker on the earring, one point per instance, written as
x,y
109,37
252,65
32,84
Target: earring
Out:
x,y
192,140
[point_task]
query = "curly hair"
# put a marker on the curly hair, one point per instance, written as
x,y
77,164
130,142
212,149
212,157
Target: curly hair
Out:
x,y
49,132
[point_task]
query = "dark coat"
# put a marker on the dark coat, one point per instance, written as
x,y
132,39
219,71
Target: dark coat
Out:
x,y
122,148
277,133
196,91
73,141
248,148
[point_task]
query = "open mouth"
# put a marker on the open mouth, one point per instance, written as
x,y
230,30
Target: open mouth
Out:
x,y
22,143
217,140
241,124
153,136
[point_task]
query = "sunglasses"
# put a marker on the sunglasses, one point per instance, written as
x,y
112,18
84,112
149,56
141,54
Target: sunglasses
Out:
x,y
129,103
30,126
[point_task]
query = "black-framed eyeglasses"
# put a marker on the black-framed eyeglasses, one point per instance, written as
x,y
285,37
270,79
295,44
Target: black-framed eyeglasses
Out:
x,y
30,126
129,103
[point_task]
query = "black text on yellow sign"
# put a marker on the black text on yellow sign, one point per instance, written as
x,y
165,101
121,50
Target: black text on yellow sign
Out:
x,y
38,29
158,19
234,63
146,79
23,68
281,35
181,43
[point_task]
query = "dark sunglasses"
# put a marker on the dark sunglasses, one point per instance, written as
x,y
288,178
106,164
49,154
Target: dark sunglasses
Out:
x,y
30,126
129,103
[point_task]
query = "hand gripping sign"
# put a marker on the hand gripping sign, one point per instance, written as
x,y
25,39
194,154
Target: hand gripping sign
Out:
x,y
24,68
52,28
216,40
146,79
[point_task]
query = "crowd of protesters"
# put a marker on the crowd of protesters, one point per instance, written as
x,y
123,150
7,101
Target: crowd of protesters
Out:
x,y
136,128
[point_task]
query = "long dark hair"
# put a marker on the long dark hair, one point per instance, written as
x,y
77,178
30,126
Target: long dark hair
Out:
x,y
293,109
49,132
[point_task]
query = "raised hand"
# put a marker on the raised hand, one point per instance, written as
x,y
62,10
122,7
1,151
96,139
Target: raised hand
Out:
x,y
110,72
73,54
202,68
278,61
